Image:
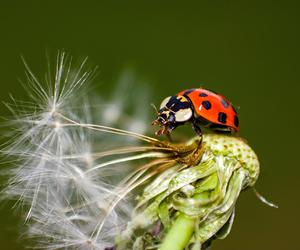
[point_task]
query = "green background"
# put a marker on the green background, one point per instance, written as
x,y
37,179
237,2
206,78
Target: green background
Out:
x,y
246,50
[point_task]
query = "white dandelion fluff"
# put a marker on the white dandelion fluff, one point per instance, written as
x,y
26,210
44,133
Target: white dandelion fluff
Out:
x,y
65,173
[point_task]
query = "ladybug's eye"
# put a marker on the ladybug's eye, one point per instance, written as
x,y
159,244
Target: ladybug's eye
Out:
x,y
164,102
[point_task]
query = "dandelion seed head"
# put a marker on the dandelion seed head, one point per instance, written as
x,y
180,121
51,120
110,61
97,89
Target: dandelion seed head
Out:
x,y
56,144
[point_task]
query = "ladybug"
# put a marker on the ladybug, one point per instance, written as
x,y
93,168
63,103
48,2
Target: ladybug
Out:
x,y
199,107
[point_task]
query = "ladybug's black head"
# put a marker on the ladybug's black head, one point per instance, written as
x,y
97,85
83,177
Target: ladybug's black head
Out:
x,y
174,110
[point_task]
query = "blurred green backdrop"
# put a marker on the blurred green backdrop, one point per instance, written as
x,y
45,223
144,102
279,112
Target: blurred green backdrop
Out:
x,y
247,50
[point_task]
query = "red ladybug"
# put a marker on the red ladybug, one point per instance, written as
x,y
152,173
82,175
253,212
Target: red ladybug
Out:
x,y
200,107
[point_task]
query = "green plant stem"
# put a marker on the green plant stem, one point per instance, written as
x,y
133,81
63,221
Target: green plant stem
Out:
x,y
179,234
182,229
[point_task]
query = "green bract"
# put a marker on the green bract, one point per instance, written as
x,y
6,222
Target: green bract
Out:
x,y
188,206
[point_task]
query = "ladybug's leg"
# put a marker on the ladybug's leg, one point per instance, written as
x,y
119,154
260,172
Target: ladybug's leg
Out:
x,y
197,129
169,137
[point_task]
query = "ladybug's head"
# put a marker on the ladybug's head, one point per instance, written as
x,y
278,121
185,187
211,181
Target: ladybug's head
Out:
x,y
174,111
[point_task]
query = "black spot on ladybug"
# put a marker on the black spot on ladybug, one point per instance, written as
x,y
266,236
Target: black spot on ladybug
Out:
x,y
236,121
224,103
222,117
189,91
206,105
203,95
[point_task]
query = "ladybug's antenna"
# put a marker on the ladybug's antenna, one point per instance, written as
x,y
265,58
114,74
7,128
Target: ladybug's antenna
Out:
x,y
153,106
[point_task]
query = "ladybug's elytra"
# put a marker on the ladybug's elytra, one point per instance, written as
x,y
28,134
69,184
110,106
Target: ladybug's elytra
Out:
x,y
200,107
